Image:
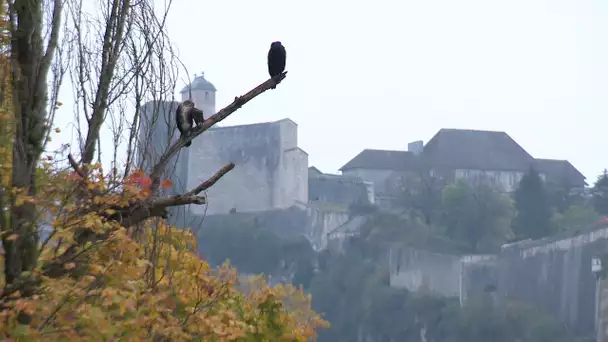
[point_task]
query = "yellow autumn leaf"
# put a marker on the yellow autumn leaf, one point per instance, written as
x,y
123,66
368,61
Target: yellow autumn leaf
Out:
x,y
19,201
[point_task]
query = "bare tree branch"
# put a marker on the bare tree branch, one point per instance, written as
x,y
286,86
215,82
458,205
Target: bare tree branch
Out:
x,y
51,47
157,207
144,70
211,181
75,166
238,102
112,46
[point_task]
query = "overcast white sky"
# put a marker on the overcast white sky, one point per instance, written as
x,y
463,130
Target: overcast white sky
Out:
x,y
380,74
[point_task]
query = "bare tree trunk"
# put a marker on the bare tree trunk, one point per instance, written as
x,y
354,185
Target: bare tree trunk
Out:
x,y
30,66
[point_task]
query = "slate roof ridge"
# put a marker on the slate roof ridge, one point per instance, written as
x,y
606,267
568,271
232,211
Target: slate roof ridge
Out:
x,y
455,148
379,159
476,149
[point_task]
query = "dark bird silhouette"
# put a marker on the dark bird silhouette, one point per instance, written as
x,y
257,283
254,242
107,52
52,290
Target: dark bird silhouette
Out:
x,y
276,59
184,119
197,116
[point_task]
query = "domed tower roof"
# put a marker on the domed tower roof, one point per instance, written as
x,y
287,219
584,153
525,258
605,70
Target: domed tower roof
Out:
x,y
199,83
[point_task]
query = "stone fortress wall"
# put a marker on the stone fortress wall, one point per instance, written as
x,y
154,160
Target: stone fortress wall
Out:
x,y
442,274
271,171
553,274
271,180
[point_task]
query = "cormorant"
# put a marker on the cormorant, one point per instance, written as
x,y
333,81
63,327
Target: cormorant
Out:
x,y
276,59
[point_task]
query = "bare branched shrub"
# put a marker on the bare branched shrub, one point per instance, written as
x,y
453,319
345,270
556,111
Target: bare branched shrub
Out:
x,y
122,85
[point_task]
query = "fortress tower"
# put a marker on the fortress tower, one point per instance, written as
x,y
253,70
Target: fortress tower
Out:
x,y
202,93
158,131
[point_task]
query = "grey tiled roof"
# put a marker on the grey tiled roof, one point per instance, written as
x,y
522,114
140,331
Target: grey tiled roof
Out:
x,y
560,171
467,149
382,160
313,170
479,150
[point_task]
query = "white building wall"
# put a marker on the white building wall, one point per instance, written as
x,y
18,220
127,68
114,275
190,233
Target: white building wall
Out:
x,y
265,177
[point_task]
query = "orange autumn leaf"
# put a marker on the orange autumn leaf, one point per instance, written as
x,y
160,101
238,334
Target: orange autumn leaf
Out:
x,y
146,192
134,178
145,182
167,184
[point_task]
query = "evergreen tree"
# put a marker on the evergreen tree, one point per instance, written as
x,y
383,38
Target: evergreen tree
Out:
x,y
477,216
600,194
533,218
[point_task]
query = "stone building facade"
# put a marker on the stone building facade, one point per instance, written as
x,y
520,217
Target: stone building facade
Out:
x,y
338,189
271,171
459,154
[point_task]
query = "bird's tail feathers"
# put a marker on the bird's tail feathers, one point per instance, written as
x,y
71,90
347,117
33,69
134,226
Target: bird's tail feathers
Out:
x,y
185,135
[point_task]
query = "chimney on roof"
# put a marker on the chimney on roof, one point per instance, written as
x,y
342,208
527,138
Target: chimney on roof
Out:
x,y
415,147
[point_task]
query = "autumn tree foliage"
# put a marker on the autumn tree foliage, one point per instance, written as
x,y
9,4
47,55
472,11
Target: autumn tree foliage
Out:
x,y
110,268
119,287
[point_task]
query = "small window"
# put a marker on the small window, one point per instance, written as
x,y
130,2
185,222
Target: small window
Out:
x,y
206,95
